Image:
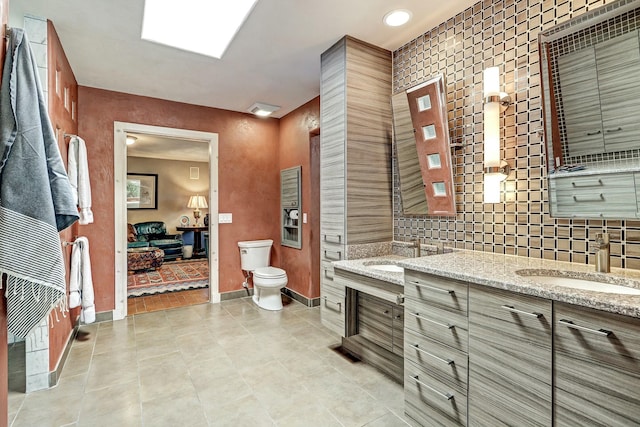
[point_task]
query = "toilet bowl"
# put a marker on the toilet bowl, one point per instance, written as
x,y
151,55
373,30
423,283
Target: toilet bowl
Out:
x,y
267,281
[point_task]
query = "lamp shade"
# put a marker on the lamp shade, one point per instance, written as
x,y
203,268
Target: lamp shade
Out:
x,y
197,202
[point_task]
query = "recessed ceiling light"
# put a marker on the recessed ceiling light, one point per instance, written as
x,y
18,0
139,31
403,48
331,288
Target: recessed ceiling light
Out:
x,y
201,26
396,18
131,140
263,110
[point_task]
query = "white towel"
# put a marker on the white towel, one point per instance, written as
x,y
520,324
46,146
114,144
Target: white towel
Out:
x,y
78,171
81,282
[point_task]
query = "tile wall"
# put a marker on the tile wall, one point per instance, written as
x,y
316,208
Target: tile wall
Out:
x,y
37,343
501,33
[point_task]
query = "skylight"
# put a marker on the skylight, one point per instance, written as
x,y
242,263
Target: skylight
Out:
x,y
201,26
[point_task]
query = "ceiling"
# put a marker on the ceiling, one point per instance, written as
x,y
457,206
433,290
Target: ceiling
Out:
x,y
274,58
158,147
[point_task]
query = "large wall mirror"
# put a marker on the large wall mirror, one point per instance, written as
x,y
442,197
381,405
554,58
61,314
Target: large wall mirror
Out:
x,y
590,69
423,150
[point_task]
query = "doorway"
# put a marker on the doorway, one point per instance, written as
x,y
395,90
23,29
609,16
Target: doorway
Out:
x,y
121,130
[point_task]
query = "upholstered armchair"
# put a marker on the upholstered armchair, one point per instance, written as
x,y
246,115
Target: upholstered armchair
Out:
x,y
154,233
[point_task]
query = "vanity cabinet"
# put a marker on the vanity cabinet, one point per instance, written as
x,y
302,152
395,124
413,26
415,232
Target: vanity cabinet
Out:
x,y
290,207
356,205
436,344
374,321
597,367
510,375
611,195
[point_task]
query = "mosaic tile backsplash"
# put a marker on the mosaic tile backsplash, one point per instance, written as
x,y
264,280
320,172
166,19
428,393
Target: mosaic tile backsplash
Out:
x,y
504,34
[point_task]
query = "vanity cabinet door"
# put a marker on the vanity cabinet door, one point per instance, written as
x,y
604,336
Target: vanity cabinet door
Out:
x,y
597,367
375,321
618,65
581,102
510,376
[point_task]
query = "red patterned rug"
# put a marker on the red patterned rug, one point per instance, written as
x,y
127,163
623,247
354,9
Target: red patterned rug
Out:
x,y
171,276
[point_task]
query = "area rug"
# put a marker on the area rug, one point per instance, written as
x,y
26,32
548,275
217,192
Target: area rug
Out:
x,y
170,277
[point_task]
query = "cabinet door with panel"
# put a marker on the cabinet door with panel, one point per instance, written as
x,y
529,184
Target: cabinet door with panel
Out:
x,y
510,377
597,367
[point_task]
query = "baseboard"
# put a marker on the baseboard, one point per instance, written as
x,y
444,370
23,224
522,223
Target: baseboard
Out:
x,y
104,316
226,296
309,302
54,376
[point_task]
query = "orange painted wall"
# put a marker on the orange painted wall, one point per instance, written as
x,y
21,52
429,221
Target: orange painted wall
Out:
x,y
62,122
295,150
248,176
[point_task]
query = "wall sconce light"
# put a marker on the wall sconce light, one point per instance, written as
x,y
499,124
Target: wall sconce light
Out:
x,y
131,140
496,170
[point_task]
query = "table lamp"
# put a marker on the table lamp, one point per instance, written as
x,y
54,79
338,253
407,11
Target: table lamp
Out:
x,y
196,202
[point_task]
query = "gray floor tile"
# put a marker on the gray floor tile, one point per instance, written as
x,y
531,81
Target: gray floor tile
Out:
x,y
227,364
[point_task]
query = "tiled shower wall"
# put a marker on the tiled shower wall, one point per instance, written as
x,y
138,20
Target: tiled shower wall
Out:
x,y
501,33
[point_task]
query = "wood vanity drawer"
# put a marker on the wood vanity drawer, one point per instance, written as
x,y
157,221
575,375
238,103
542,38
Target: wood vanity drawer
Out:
x,y
440,292
332,307
586,337
327,273
446,364
332,252
511,333
448,327
597,367
605,195
431,402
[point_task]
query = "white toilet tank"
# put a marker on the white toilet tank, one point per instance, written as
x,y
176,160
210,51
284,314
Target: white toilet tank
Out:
x,y
255,254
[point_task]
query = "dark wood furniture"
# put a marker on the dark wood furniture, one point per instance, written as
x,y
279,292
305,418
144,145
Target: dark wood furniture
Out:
x,y
197,230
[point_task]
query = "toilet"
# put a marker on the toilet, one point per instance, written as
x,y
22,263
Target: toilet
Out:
x,y
267,281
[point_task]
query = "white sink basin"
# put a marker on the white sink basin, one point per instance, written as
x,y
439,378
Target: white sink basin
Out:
x,y
387,267
582,284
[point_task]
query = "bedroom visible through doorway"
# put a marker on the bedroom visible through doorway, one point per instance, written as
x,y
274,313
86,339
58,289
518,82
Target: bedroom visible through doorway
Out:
x,y
165,254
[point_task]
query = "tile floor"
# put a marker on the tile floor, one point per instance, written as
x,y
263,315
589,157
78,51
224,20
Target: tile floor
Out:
x,y
227,364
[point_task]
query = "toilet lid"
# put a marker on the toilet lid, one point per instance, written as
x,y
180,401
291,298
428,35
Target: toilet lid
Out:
x,y
269,272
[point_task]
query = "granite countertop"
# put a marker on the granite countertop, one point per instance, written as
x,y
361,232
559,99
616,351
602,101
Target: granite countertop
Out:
x,y
359,266
499,271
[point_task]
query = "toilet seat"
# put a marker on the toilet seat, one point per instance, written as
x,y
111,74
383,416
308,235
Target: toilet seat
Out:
x,y
269,273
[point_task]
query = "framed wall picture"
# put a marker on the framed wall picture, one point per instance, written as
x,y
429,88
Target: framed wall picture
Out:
x,y
142,191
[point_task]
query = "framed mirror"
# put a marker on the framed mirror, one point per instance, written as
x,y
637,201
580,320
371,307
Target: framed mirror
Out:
x,y
423,149
590,69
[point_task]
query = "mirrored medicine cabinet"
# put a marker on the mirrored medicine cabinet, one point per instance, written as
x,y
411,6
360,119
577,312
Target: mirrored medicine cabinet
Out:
x,y
423,153
590,74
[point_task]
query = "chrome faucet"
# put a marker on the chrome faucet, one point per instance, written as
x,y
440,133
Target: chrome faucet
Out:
x,y
601,249
415,244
